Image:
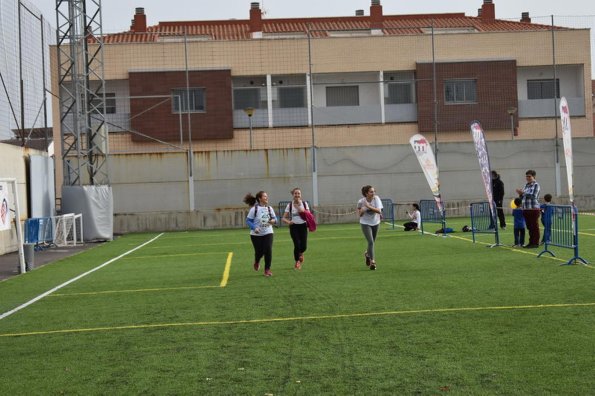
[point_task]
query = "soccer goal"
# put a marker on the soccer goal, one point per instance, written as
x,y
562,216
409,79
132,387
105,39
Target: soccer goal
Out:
x,y
68,229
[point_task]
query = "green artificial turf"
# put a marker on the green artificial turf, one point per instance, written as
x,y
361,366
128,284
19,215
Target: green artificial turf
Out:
x,y
439,315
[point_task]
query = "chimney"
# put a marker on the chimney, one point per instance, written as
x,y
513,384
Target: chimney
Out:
x,y
376,18
359,12
488,11
140,21
132,25
525,17
255,19
479,12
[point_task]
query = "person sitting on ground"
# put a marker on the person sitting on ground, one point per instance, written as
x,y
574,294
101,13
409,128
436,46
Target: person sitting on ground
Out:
x,y
415,216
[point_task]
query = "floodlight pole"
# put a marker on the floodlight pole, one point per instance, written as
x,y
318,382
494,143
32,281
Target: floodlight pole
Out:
x,y
511,111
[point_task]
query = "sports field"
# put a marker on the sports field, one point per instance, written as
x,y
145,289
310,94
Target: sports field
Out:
x,y
185,313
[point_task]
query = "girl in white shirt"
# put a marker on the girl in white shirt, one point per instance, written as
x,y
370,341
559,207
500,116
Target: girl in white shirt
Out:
x,y
260,219
298,229
415,217
369,209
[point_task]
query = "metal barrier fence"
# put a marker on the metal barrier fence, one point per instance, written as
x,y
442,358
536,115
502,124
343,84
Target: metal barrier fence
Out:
x,y
483,220
431,214
388,211
39,230
561,230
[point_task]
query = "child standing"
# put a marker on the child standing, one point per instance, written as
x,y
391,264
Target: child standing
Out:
x,y
519,223
546,218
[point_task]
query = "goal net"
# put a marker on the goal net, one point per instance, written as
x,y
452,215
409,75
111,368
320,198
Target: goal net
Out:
x,y
68,229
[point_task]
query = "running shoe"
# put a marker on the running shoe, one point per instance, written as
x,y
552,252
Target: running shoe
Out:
x,y
297,265
267,272
256,266
368,261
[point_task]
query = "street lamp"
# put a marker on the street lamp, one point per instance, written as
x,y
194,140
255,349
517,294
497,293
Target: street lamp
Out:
x,y
250,112
511,111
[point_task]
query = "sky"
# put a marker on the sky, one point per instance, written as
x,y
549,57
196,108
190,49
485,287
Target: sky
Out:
x,y
116,14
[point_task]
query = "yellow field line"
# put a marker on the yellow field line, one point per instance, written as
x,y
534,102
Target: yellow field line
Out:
x,y
171,255
226,270
130,291
299,318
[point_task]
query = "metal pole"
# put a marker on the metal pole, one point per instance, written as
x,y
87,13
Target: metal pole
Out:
x,y
313,146
435,89
556,93
190,151
512,127
250,123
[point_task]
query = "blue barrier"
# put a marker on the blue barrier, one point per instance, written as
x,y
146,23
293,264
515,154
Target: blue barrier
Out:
x,y
482,220
388,210
39,230
430,213
561,229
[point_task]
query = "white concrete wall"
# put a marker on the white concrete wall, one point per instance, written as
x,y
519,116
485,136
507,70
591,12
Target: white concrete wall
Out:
x,y
156,198
13,165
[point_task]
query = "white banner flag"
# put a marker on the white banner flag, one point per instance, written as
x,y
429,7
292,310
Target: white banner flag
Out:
x,y
567,140
5,217
484,161
427,161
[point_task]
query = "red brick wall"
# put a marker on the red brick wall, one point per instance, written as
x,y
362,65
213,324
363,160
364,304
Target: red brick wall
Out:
x,y
496,92
154,116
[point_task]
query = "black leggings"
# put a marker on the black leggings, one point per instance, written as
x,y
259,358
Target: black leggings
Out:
x,y
299,236
263,246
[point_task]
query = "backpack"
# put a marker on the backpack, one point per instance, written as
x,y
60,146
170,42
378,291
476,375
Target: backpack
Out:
x,y
307,216
271,215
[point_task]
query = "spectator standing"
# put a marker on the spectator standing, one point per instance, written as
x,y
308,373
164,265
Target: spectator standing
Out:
x,y
498,196
546,218
531,208
519,223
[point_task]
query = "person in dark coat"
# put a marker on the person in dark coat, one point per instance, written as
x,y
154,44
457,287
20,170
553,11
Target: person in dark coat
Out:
x,y
498,196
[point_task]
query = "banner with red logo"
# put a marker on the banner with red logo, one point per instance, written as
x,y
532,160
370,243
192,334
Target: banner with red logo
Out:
x,y
427,161
5,217
567,140
484,161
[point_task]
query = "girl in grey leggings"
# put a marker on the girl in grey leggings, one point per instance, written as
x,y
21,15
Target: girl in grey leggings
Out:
x,y
369,209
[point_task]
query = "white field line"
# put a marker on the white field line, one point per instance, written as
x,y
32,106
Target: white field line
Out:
x,y
33,300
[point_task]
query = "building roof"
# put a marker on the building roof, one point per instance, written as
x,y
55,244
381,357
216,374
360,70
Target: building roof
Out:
x,y
257,26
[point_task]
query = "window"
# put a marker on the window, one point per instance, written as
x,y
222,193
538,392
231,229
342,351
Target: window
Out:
x,y
292,97
110,104
460,91
342,96
188,100
543,89
398,93
246,97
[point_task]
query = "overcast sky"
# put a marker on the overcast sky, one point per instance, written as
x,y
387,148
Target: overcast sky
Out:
x,y
117,14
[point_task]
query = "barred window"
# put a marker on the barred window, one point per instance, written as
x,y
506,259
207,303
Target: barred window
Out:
x,y
246,97
460,91
399,93
188,100
292,97
110,104
543,89
342,96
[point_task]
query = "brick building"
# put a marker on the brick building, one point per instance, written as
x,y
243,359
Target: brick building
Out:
x,y
349,80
